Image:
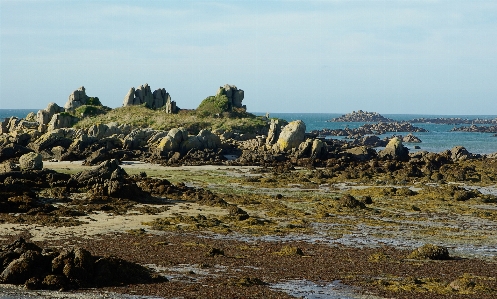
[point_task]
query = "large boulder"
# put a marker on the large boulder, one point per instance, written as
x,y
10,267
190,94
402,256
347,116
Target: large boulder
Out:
x,y
395,150
61,120
460,153
409,138
59,137
31,161
129,97
274,131
44,116
361,153
172,141
76,99
12,150
291,136
208,139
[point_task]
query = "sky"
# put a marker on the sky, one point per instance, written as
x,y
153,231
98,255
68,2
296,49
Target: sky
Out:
x,y
404,57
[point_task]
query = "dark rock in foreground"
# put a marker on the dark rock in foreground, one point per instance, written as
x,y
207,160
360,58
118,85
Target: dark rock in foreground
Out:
x,y
25,263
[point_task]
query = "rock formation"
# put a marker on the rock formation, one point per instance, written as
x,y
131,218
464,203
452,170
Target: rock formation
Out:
x,y
395,150
43,117
409,138
31,161
154,100
76,99
235,96
361,116
291,135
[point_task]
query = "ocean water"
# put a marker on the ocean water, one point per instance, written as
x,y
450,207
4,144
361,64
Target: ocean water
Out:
x,y
438,139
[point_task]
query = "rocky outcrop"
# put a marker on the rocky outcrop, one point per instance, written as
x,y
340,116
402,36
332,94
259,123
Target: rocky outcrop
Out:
x,y
154,100
205,139
312,148
172,141
43,117
291,136
235,96
58,137
454,121
27,264
409,138
395,150
8,167
274,131
61,120
460,153
31,161
475,128
361,116
370,129
362,153
76,99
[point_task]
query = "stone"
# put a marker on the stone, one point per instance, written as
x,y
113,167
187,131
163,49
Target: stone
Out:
x,y
430,251
61,120
76,99
8,167
460,153
208,139
395,150
235,96
362,153
129,97
31,161
44,116
291,136
409,138
274,131
191,143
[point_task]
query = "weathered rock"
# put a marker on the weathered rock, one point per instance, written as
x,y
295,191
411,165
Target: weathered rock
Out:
x,y
274,131
208,139
12,150
235,96
395,150
8,167
459,153
291,135
430,251
27,264
137,138
129,97
191,143
61,120
143,95
411,139
76,99
362,153
104,171
31,161
348,201
58,137
361,116
44,116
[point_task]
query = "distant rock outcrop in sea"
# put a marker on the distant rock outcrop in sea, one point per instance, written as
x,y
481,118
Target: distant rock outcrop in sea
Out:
x,y
361,116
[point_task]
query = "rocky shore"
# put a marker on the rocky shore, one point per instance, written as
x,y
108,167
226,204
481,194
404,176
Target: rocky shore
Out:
x,y
215,212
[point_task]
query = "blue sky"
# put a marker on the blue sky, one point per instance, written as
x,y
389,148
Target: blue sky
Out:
x,y
422,57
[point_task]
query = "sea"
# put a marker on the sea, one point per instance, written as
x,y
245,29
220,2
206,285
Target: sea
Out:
x,y
438,138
